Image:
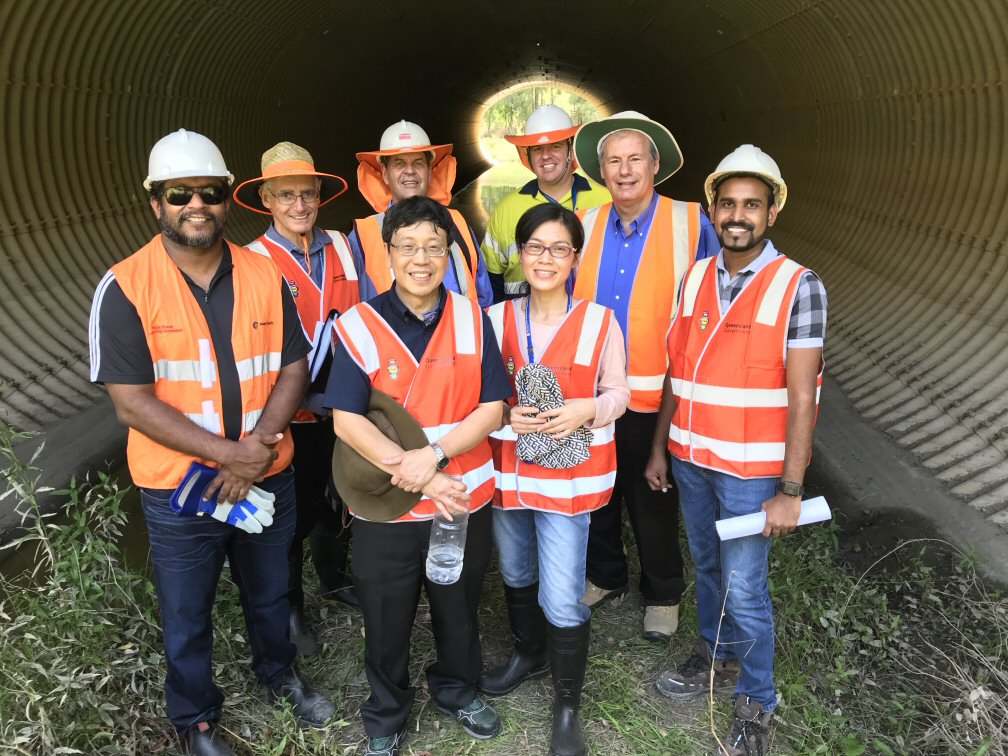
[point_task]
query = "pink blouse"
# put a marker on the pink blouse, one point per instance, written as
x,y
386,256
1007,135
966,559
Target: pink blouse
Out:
x,y
612,391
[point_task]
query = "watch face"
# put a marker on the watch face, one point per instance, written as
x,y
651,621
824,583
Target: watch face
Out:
x,y
442,463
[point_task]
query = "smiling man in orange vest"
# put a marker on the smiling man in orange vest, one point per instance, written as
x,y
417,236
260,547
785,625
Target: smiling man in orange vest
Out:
x,y
199,345
406,164
322,276
637,248
737,414
433,352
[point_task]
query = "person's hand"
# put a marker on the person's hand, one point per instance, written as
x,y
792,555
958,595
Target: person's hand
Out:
x,y
416,468
526,420
248,460
657,470
563,421
448,494
782,513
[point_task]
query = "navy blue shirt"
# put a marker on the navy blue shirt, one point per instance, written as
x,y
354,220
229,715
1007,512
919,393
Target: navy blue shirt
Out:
x,y
349,387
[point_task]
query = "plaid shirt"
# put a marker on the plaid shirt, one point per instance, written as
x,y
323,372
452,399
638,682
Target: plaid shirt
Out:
x,y
807,327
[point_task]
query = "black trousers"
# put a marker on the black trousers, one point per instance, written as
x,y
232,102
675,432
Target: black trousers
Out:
x,y
313,450
654,516
388,570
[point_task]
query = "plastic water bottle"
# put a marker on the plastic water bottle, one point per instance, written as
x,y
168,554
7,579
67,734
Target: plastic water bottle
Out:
x,y
447,548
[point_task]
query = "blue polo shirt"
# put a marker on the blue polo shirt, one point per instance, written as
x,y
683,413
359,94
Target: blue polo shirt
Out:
x,y
315,250
621,255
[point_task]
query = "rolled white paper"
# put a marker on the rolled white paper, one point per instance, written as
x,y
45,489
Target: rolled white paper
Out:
x,y
812,510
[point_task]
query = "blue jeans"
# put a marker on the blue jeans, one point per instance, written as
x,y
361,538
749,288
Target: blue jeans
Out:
x,y
550,548
188,554
737,568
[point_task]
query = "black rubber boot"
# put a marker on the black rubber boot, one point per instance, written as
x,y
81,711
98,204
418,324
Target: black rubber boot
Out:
x,y
568,653
300,635
528,659
330,544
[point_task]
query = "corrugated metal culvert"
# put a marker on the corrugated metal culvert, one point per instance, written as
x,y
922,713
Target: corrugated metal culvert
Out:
x,y
888,121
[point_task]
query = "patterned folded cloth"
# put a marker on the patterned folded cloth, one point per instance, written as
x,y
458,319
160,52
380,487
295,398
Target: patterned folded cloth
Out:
x,y
537,387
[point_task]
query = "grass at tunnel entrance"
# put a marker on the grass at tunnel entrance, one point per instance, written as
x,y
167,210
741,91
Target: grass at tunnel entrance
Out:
x,y
909,656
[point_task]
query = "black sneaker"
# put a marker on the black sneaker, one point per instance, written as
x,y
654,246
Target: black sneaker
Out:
x,y
750,732
385,746
478,719
692,678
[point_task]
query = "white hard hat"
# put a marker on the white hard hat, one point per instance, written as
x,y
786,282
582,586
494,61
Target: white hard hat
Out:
x,y
404,136
749,160
547,118
182,154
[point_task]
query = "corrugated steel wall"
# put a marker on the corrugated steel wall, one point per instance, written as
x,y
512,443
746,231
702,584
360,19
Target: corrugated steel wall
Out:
x,y
888,120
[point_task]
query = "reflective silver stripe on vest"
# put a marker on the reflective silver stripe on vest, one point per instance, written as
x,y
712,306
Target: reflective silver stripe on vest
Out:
x,y
589,220
496,315
681,257
257,365
645,382
692,287
208,419
771,305
258,247
361,340
178,370
465,336
589,334
208,368
343,253
514,287
250,420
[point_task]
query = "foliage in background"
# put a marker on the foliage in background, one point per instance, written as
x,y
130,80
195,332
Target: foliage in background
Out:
x,y
908,656
508,114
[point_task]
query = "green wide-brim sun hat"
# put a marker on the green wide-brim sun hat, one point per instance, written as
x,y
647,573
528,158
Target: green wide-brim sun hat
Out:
x,y
366,489
586,142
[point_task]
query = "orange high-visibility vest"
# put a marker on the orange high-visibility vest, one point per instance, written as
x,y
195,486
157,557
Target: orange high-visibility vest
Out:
x,y
313,305
670,247
440,391
369,231
728,373
573,354
183,355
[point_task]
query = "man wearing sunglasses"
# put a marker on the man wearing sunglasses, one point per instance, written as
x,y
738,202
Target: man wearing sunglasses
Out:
x,y
322,275
199,345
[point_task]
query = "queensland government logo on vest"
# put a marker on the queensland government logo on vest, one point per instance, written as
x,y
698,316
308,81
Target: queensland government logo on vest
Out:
x,y
261,323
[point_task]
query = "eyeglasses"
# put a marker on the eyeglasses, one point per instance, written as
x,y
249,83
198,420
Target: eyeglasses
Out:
x,y
180,196
288,197
559,251
408,250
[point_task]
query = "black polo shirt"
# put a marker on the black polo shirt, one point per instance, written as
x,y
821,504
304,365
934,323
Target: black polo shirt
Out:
x,y
349,387
119,346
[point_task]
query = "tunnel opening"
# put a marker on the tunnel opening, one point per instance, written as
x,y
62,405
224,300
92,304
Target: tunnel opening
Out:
x,y
887,122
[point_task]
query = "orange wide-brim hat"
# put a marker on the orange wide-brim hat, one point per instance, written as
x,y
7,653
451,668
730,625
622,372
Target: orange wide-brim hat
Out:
x,y
282,160
374,189
523,142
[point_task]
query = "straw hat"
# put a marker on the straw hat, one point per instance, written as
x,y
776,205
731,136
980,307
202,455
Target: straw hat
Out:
x,y
366,489
586,143
286,159
405,137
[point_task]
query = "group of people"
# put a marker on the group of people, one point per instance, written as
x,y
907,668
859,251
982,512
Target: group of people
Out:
x,y
604,346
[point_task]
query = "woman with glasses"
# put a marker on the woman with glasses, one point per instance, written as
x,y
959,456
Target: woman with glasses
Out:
x,y
572,353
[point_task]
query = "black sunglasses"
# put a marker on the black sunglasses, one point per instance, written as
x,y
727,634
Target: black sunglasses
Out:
x,y
180,196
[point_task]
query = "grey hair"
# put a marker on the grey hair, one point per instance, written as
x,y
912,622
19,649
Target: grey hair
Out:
x,y
623,132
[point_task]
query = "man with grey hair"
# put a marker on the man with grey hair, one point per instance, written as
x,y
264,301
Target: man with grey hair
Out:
x,y
323,278
637,248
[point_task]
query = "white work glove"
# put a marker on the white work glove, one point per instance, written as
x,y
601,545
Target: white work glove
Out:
x,y
251,514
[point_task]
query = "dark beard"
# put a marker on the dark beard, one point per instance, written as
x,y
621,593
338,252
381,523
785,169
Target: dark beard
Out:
x,y
195,241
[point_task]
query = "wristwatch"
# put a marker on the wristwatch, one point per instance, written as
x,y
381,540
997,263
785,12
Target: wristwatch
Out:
x,y
442,458
788,488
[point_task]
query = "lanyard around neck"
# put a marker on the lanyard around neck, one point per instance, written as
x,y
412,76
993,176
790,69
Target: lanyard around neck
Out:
x,y
528,325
